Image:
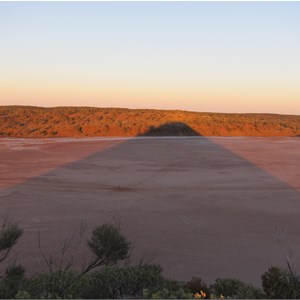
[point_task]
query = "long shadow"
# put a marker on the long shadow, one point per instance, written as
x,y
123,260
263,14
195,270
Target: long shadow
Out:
x,y
171,129
198,208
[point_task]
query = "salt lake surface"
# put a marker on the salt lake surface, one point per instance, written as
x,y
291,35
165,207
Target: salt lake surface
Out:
x,y
199,206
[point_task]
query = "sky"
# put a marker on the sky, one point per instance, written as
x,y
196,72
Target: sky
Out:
x,y
199,56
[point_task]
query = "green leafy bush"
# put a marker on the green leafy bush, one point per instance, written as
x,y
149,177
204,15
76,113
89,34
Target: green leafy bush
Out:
x,y
115,282
12,281
9,235
55,285
170,289
281,284
237,289
108,246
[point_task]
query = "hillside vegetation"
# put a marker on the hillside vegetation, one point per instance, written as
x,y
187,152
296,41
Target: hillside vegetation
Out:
x,y
27,121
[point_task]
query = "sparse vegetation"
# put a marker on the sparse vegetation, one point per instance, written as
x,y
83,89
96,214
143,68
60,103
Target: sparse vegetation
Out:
x,y
103,278
26,121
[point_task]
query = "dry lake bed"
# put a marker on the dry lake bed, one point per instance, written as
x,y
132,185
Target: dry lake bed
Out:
x,y
198,206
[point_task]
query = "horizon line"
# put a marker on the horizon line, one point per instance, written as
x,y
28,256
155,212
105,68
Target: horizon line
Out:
x,y
155,109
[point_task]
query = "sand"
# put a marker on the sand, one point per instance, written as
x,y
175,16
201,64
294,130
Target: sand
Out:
x,y
198,206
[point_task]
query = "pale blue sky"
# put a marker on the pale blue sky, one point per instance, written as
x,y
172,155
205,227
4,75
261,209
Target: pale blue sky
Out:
x,y
203,56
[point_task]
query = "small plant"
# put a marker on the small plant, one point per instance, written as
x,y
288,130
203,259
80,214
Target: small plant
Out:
x,y
108,246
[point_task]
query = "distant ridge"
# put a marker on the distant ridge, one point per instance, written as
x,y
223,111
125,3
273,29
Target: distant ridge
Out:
x,y
29,121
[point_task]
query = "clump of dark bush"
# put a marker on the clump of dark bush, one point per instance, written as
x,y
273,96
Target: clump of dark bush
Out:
x,y
195,285
141,281
281,284
9,235
13,276
170,289
126,282
237,289
11,281
56,285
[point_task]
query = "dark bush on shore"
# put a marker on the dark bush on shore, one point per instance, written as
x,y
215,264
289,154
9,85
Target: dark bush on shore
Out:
x,y
11,281
170,289
56,285
237,289
116,282
281,284
9,236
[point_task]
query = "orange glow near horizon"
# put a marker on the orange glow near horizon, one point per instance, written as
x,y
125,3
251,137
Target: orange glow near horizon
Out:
x,y
222,99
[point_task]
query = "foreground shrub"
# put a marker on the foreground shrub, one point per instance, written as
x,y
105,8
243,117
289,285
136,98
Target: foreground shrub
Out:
x,y
281,284
114,282
195,285
9,235
11,282
170,289
108,283
108,246
55,285
233,288
143,281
